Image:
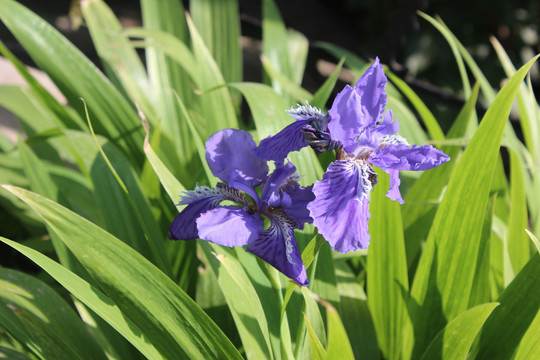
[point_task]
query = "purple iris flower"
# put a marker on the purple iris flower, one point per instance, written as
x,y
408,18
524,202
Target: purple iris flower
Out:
x,y
240,221
369,137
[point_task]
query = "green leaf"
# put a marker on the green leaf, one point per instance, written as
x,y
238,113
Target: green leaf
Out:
x,y
518,242
352,61
315,333
339,346
91,297
243,300
75,76
42,183
529,347
507,325
118,56
314,317
429,120
387,283
455,340
528,110
321,96
171,185
317,350
125,208
442,286
534,239
69,119
275,40
297,50
297,92
219,25
422,198
46,320
358,321
163,72
216,102
481,289
175,325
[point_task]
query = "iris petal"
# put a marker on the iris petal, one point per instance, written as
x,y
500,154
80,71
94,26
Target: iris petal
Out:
x,y
231,157
198,201
404,157
271,191
277,246
340,209
394,193
277,147
356,110
229,226
300,197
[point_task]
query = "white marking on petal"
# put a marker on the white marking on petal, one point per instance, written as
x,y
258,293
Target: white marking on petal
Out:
x,y
218,194
305,112
393,140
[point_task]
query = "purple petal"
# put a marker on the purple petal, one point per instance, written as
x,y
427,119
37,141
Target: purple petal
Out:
x,y
404,157
357,109
277,147
340,209
346,118
231,157
387,127
271,192
198,201
183,226
393,193
300,198
277,246
229,226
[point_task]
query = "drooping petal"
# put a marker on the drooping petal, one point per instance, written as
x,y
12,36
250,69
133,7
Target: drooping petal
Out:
x,y
277,147
405,157
340,209
229,226
277,246
355,110
200,200
394,193
231,157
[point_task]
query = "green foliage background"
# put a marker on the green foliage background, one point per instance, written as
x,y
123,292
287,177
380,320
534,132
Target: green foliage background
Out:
x,y
451,274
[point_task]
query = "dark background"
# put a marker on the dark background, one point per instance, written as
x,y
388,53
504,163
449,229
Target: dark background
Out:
x,y
390,29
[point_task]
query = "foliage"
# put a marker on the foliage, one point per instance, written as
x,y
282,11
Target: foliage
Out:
x,y
451,274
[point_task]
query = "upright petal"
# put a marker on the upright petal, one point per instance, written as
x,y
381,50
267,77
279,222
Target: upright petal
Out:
x,y
346,118
277,147
371,88
231,157
340,209
277,246
271,192
405,157
355,110
229,226
198,201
